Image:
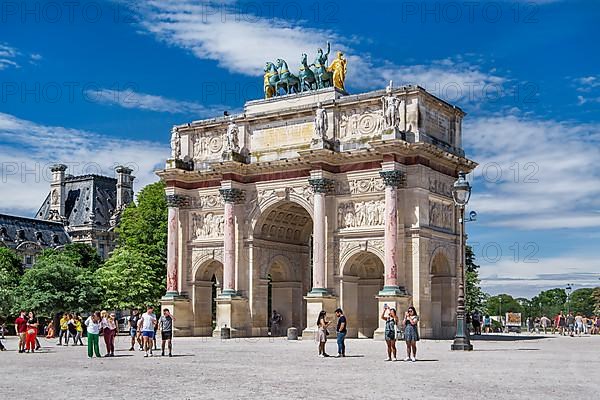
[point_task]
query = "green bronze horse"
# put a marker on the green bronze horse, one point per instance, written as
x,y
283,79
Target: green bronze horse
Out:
x,y
306,76
324,77
287,80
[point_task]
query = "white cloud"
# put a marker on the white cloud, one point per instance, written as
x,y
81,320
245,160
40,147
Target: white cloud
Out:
x,y
535,174
8,56
242,44
27,149
131,99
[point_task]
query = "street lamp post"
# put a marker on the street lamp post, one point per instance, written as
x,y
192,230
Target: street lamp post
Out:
x,y
461,192
569,288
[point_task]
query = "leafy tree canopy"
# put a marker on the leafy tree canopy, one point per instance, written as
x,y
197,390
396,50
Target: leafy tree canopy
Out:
x,y
130,280
57,284
11,268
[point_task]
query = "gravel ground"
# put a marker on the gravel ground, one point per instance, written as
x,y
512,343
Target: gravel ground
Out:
x,y
516,367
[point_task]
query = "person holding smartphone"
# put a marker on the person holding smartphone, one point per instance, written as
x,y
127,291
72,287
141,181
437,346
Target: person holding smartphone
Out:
x,y
391,320
411,335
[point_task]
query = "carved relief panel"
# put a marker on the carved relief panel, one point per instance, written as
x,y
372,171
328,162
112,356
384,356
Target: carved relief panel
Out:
x,y
441,215
360,123
355,214
207,145
207,225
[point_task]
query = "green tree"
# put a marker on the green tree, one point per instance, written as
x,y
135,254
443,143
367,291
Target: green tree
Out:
x,y
11,268
56,284
550,302
501,304
475,297
596,295
143,227
83,255
582,301
129,279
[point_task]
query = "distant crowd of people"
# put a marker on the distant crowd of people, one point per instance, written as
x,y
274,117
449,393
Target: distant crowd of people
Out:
x,y
141,328
562,324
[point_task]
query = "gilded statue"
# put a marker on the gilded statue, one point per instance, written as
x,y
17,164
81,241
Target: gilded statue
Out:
x,y
338,67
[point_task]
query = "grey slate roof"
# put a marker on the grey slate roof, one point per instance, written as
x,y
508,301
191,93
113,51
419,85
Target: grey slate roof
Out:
x,y
90,199
17,230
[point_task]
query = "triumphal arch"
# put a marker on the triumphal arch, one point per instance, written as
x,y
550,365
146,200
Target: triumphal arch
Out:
x,y
312,200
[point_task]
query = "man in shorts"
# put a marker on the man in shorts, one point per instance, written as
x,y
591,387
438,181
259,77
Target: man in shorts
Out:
x,y
148,324
133,326
166,330
21,328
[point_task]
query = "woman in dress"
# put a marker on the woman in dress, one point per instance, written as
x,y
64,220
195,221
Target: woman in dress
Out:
x,y
322,325
411,335
31,333
391,320
109,331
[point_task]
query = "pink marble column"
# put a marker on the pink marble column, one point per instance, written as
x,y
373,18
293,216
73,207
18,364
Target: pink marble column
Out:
x,y
174,202
392,180
230,196
320,187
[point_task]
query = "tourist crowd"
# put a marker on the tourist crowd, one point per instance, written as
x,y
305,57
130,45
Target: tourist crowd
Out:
x,y
141,329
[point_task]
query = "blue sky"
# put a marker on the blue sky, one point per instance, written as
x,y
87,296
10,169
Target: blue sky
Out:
x,y
99,83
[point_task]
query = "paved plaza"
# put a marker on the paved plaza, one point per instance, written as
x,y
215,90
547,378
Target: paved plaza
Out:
x,y
262,368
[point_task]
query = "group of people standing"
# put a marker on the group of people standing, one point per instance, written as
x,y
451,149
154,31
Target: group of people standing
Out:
x,y
142,330
27,326
571,325
395,329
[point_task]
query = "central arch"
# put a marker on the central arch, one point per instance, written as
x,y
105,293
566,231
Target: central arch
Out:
x,y
361,281
282,242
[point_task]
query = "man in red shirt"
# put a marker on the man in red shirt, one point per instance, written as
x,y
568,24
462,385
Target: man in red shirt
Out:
x,y
21,328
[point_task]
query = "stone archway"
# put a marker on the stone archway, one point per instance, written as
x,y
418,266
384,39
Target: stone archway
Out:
x,y
442,301
361,280
286,296
206,286
281,248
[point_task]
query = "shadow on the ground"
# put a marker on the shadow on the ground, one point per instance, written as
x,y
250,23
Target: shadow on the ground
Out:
x,y
180,355
506,338
352,356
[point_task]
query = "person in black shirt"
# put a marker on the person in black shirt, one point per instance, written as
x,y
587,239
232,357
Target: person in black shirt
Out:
x,y
133,323
341,330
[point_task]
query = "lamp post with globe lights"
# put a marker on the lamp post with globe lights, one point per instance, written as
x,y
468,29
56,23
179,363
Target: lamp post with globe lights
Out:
x,y
461,192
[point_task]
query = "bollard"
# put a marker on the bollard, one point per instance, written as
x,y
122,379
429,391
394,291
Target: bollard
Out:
x,y
292,333
225,333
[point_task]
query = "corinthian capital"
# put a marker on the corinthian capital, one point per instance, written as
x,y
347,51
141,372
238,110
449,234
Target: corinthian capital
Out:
x,y
177,200
232,195
392,178
321,185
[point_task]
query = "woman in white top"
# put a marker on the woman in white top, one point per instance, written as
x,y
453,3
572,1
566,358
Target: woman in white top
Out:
x,y
93,331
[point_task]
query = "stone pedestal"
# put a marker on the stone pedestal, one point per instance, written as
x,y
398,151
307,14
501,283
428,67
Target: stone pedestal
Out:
x,y
324,143
314,304
230,155
400,303
181,310
392,133
233,312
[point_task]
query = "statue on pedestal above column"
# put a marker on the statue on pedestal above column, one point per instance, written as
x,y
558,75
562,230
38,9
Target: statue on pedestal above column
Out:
x,y
175,144
391,114
321,122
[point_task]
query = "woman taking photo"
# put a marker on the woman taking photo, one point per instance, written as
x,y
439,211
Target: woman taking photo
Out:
x,y
391,320
322,333
31,333
411,335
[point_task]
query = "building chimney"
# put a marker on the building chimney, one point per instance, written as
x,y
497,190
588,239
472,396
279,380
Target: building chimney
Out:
x,y
57,192
124,186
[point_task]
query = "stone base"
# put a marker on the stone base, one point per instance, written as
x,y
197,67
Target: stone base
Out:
x,y
315,302
392,133
234,156
233,311
324,143
399,302
179,164
181,310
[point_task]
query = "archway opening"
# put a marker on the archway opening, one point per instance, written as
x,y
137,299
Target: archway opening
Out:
x,y
282,256
207,285
442,302
361,281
